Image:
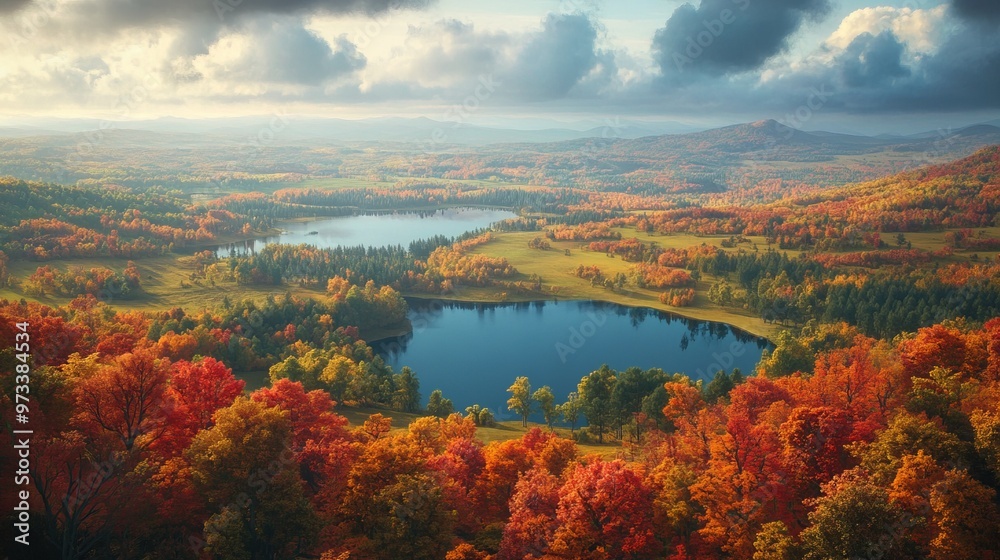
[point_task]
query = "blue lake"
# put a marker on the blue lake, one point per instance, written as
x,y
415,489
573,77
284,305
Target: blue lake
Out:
x,y
473,352
376,229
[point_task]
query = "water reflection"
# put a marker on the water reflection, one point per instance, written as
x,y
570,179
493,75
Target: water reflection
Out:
x,y
473,351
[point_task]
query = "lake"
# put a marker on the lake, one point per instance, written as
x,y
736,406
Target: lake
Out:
x,y
376,229
473,352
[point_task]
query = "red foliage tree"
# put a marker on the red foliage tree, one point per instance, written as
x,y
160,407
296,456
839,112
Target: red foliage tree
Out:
x,y
604,511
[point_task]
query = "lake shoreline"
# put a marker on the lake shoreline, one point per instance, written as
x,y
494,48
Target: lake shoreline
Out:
x,y
472,350
357,228
768,336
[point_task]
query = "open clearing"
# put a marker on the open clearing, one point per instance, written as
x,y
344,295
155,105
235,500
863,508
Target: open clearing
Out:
x,y
502,432
558,279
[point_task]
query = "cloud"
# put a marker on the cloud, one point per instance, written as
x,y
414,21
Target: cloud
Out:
x,y
977,10
872,60
54,80
965,72
116,15
284,52
878,60
451,58
873,74
722,37
555,59
190,27
921,30
875,71
962,74
447,53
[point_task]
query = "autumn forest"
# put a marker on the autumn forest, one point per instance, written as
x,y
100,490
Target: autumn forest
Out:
x,y
188,400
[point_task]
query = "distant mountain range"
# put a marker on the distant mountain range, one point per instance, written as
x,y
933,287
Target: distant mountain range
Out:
x,y
281,129
765,141
772,135
384,129
629,157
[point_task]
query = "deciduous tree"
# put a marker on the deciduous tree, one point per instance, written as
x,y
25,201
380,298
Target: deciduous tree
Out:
x,y
604,511
245,466
520,401
547,404
570,410
124,400
439,406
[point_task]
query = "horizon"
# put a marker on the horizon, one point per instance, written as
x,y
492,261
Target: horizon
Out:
x,y
584,126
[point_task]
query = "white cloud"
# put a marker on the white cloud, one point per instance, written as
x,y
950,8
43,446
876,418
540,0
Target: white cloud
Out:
x,y
448,53
922,30
279,52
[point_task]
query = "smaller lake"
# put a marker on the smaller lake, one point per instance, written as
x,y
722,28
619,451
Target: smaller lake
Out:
x,y
473,352
376,229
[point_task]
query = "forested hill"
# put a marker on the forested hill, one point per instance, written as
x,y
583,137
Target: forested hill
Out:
x,y
738,156
961,194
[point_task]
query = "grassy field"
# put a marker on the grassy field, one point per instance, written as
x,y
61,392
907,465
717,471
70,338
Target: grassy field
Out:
x,y
934,241
161,284
558,280
502,432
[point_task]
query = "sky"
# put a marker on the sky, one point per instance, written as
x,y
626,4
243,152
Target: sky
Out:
x,y
897,66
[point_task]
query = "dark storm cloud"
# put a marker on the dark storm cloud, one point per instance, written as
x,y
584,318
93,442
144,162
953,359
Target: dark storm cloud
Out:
x,y
977,10
555,59
112,15
965,72
722,37
874,74
11,6
872,60
870,77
